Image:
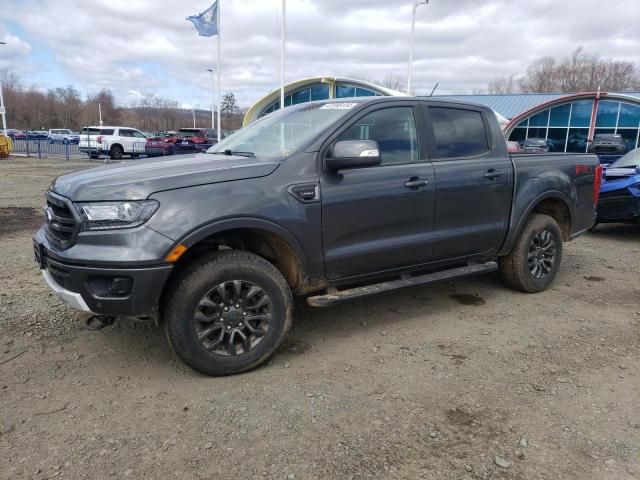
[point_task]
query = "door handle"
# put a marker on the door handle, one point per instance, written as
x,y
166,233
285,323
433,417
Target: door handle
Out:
x,y
491,174
415,182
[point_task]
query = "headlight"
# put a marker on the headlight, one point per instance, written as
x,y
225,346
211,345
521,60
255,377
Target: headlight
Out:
x,y
111,215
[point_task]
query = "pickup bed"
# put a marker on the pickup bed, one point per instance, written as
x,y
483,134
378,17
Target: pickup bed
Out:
x,y
332,200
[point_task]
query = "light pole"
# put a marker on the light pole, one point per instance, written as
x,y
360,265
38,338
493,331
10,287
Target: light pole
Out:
x,y
213,97
194,117
413,37
100,113
3,110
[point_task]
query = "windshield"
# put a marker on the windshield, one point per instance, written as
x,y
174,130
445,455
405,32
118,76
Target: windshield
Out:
x,y
282,133
631,159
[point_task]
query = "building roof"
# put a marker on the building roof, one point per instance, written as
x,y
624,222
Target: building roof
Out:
x,y
512,105
254,111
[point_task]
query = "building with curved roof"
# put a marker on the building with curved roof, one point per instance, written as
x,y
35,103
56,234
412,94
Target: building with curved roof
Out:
x,y
316,88
568,121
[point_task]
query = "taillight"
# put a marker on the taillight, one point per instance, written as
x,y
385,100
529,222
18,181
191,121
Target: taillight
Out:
x,y
597,182
99,139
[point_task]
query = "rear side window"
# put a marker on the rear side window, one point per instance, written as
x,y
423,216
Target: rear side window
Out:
x,y
126,133
458,133
106,131
90,131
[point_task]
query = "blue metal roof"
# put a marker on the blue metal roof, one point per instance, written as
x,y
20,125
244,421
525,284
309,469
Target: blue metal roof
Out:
x,y
512,105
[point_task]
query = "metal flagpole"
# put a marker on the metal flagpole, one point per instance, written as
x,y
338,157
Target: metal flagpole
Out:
x,y
213,97
282,54
3,109
413,35
219,93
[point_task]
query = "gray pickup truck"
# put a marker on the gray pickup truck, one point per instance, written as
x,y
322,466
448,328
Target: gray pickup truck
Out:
x,y
332,200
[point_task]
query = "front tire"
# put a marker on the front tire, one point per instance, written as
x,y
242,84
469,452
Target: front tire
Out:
x,y
533,263
228,313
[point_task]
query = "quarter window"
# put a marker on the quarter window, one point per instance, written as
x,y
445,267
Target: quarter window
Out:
x,y
395,131
458,133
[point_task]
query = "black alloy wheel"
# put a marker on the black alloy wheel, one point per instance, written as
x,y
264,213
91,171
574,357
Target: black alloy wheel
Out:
x,y
232,318
542,254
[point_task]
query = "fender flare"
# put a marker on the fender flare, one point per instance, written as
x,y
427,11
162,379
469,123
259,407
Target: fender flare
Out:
x,y
548,195
254,223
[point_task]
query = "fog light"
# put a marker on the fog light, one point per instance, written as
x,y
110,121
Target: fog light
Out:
x,y
120,286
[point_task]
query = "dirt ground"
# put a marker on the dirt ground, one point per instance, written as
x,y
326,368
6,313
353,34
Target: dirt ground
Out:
x,y
429,382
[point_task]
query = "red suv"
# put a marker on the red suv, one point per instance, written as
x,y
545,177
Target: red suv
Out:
x,y
184,140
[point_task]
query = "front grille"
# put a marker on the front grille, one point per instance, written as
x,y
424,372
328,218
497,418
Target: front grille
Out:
x,y
62,225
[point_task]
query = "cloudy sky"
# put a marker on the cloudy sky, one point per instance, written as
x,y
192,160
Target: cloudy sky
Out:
x,y
134,47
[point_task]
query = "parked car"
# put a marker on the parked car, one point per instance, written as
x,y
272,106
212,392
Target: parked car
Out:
x,y
607,143
513,147
63,135
159,145
535,145
182,141
16,134
333,199
113,141
37,134
620,191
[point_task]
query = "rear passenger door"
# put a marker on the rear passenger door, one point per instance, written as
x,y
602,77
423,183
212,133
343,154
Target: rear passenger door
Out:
x,y
126,139
473,198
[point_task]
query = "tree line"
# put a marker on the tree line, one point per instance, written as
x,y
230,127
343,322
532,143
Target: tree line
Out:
x,y
31,108
577,72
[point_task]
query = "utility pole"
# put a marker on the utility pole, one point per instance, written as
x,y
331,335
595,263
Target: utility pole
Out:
x,y
194,117
3,110
413,37
100,113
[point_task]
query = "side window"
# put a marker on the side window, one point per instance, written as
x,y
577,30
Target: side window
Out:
x,y
126,133
138,134
458,133
395,131
105,131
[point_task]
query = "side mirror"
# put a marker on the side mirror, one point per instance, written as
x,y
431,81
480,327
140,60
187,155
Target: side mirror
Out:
x,y
353,154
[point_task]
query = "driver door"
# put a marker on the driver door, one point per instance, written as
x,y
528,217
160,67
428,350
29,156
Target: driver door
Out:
x,y
380,218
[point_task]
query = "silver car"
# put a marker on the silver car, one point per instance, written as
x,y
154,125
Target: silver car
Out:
x,y
63,135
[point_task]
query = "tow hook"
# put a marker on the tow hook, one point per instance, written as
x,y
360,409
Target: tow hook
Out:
x,y
98,322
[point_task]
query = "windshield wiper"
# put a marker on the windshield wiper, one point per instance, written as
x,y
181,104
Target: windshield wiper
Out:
x,y
238,153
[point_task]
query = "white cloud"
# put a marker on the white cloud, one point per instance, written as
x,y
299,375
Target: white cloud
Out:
x,y
146,46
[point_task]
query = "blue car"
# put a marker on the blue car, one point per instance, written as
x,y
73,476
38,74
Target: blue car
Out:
x,y
620,191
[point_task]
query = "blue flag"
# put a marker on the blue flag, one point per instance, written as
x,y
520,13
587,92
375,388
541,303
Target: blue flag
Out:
x,y
207,22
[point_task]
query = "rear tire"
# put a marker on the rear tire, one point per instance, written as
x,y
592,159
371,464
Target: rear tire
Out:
x,y
214,307
116,152
533,263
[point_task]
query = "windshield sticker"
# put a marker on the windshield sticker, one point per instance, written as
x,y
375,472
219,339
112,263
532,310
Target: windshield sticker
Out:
x,y
338,106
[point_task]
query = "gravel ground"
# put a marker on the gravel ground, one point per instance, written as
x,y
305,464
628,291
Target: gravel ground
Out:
x,y
461,380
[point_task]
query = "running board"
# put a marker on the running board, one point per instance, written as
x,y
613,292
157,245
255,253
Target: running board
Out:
x,y
336,297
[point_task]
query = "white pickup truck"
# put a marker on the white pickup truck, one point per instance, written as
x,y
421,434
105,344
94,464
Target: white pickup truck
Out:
x,y
112,141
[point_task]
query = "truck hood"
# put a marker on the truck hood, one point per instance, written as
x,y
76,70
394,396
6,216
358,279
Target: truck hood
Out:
x,y
138,179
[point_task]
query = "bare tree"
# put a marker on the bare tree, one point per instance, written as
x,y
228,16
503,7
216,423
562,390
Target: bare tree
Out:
x,y
577,72
392,81
503,85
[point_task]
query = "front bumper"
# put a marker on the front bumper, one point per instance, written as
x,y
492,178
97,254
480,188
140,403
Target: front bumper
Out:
x,y
91,288
74,300
618,206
